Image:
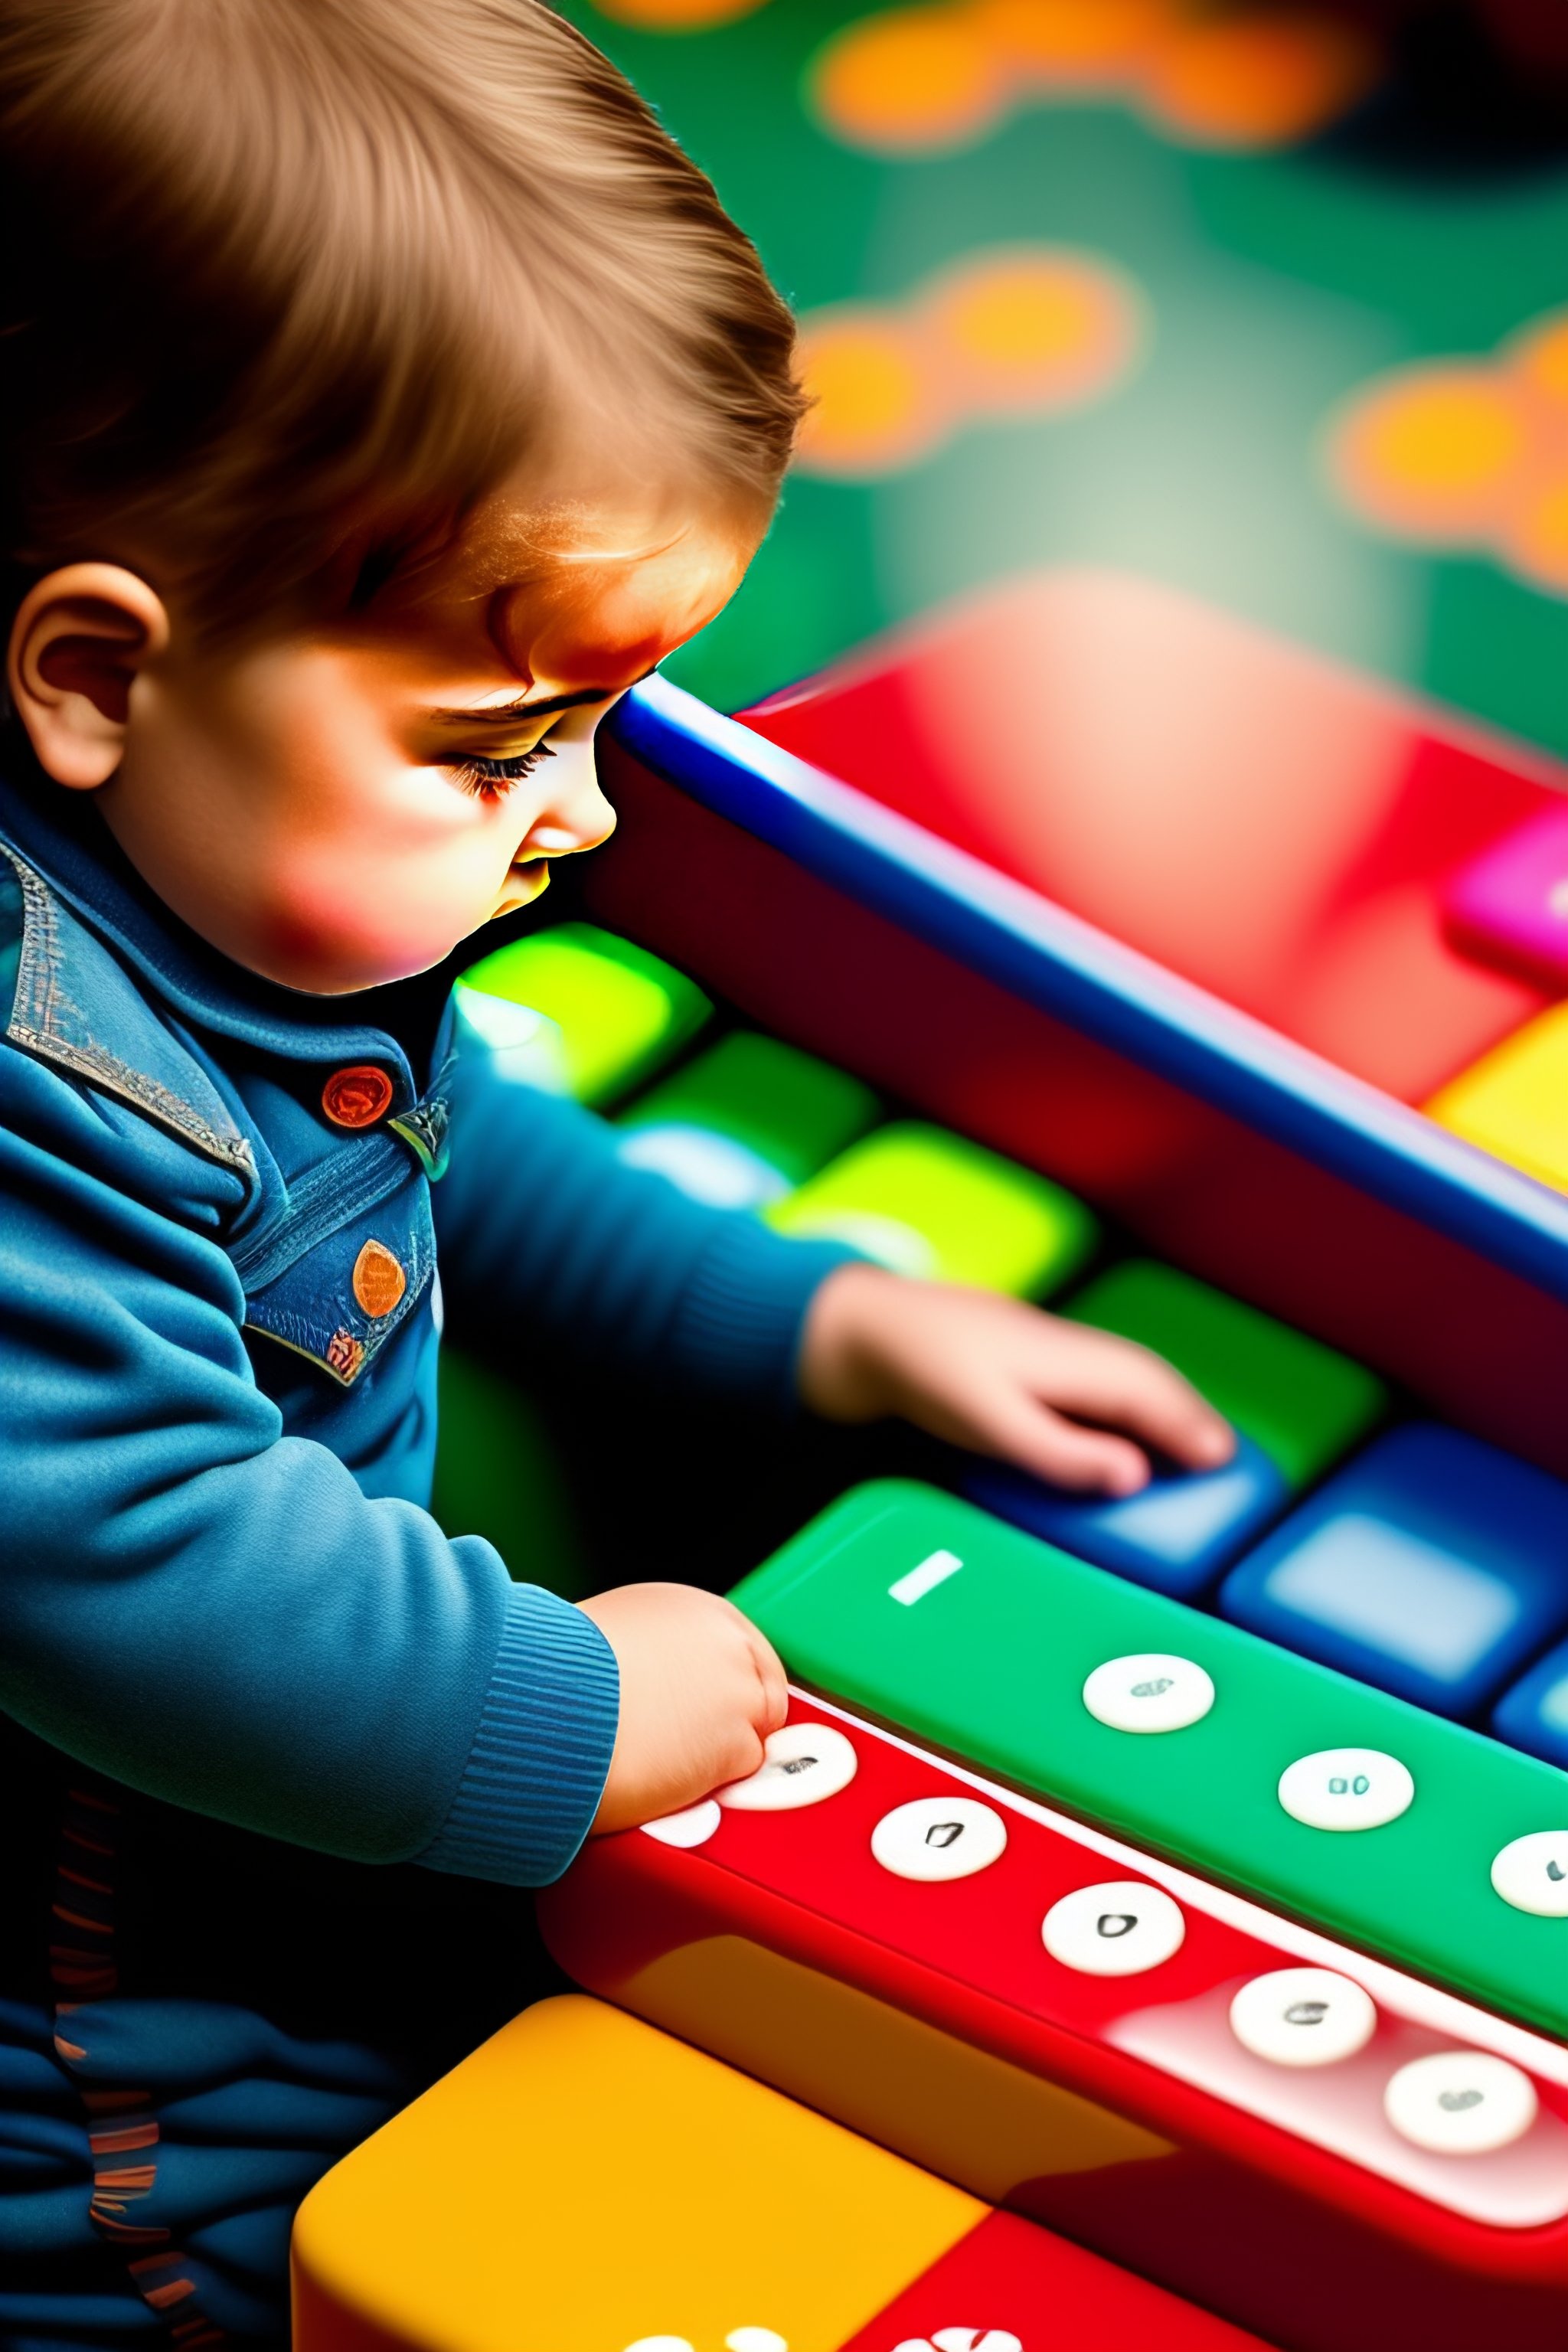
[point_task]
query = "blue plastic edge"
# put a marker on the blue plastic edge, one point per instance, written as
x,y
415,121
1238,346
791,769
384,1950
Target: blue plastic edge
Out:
x,y
1066,967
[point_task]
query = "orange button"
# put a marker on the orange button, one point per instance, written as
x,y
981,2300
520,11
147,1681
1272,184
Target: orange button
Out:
x,y
379,1281
357,1097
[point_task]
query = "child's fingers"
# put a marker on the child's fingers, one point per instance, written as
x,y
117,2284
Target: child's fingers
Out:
x,y
771,1674
1115,1380
1086,1461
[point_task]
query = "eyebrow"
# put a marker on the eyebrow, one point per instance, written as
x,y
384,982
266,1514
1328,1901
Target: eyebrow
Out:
x,y
502,714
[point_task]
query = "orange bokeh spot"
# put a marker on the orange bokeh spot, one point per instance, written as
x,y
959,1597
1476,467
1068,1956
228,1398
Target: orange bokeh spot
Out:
x,y
875,402
1261,80
1436,452
1538,357
914,79
1074,43
677,16
1535,542
1028,331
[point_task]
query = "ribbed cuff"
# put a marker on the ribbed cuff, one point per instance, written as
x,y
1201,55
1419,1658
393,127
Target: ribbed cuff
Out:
x,y
537,1768
744,1307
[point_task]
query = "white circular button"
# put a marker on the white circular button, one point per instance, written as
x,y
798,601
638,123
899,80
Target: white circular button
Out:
x,y
755,2339
963,2339
1531,1873
1148,1692
801,1765
694,1825
1460,2103
939,1837
1346,1789
1115,1930
1302,2017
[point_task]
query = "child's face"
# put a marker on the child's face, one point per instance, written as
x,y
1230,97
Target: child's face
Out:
x,y
339,809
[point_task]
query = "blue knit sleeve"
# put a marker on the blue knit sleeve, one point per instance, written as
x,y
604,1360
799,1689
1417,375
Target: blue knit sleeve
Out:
x,y
208,1608
538,1218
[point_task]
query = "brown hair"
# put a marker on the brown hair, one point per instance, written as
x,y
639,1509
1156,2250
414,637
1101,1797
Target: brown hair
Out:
x,y
293,277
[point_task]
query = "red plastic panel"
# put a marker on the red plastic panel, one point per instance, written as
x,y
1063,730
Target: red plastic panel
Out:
x,y
1275,827
1479,1345
1011,2287
932,2017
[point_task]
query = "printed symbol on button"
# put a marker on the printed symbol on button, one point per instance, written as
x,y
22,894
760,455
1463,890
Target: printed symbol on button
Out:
x,y
379,1282
1346,1789
936,1838
1531,1873
357,1097
1117,1930
1302,2017
1148,1692
1460,2103
801,1765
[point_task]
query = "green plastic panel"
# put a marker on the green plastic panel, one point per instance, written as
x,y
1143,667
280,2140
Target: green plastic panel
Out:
x,y
618,1012
498,1475
793,1111
1303,1403
930,1204
989,1663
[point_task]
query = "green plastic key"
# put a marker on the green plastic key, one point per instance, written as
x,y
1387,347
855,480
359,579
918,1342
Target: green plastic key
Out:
x,y
746,1122
979,1640
597,1013
930,1203
1304,1405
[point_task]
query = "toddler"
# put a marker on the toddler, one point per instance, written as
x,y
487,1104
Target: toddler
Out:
x,y
384,395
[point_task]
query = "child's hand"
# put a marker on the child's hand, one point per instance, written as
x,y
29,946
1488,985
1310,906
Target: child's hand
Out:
x,y
700,1690
1002,1378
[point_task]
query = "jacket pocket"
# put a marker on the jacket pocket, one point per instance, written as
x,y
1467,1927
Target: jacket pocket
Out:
x,y
341,1274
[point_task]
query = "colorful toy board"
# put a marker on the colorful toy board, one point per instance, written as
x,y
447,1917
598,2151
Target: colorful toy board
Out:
x,y
1342,2156
479,2221
578,1012
1222,1147
1341,1805
1429,1564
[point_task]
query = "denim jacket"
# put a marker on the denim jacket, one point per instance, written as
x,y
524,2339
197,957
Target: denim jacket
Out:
x,y
219,1211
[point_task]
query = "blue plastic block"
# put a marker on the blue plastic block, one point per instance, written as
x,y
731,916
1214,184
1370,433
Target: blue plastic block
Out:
x,y
1433,1566
1176,1534
1534,1714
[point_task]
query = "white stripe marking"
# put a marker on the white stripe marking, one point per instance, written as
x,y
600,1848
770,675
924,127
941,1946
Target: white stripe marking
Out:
x,y
925,1578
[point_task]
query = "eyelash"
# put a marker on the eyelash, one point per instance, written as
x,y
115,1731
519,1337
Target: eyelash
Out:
x,y
490,780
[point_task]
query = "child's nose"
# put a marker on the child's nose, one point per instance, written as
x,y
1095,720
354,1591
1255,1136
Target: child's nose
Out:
x,y
578,815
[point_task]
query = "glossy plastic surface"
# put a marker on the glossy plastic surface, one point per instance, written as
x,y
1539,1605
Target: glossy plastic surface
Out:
x,y
950,2016
480,2218
1510,907
1256,819
1431,1565
1178,1534
1227,1149
1534,1714
1304,1405
991,1664
614,1011
586,2184
747,1101
934,1204
1513,1102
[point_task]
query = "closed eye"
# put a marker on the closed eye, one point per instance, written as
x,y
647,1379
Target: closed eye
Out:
x,y
490,780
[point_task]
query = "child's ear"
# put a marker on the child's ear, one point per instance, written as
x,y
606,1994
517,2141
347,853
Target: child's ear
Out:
x,y
77,644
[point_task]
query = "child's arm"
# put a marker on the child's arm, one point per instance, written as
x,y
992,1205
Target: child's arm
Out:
x,y
213,1612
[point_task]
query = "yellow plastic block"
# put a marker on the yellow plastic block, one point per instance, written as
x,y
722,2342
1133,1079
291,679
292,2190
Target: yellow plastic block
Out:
x,y
1514,1100
585,2183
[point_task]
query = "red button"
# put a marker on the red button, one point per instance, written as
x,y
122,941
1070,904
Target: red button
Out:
x,y
357,1097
